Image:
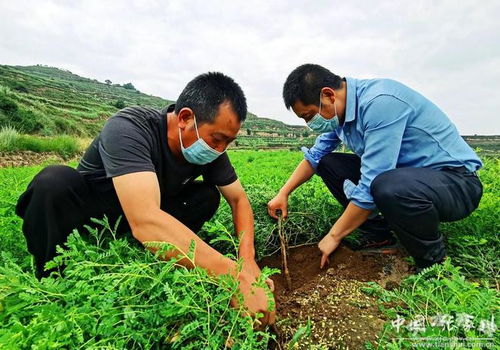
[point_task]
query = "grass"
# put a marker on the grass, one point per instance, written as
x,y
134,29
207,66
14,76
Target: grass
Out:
x,y
65,146
8,138
119,296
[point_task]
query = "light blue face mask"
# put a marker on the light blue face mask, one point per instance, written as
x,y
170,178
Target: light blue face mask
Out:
x,y
199,152
320,124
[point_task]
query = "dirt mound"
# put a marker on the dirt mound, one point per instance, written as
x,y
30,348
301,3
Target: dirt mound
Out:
x,y
341,315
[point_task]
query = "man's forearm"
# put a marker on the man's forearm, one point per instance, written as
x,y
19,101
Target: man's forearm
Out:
x,y
162,227
350,220
302,173
244,226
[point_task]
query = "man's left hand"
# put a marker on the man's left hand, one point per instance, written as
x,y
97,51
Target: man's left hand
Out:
x,y
327,245
250,266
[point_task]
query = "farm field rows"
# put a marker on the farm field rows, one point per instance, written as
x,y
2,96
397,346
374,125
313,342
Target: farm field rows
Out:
x,y
47,101
115,295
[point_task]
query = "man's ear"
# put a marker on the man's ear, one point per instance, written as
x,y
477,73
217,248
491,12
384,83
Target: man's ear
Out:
x,y
185,118
329,93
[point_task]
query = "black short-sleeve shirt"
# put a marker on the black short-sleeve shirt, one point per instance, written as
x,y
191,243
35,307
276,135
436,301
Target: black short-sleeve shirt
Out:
x,y
135,139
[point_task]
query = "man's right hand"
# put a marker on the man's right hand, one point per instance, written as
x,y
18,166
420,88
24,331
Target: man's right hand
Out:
x,y
280,202
301,174
256,299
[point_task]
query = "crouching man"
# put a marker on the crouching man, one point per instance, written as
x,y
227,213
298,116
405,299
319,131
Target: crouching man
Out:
x,y
409,170
143,164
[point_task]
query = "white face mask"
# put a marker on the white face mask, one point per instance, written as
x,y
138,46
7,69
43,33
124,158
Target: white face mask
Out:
x,y
320,124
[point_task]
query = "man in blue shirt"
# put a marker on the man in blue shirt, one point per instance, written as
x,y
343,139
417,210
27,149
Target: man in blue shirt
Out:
x,y
410,169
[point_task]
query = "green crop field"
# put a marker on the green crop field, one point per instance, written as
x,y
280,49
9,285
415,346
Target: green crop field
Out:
x,y
116,295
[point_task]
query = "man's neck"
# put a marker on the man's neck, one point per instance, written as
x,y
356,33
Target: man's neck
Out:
x,y
342,105
173,136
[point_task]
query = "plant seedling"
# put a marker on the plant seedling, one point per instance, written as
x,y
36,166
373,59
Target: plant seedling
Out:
x,y
283,244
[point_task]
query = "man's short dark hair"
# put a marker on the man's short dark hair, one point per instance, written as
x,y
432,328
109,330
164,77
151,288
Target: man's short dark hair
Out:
x,y
306,81
205,93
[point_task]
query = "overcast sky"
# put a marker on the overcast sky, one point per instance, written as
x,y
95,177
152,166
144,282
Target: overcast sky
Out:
x,y
447,50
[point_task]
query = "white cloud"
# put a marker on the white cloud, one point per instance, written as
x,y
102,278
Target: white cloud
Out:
x,y
447,50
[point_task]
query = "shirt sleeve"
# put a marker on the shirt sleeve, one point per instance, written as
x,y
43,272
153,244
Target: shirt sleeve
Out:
x,y
384,123
124,148
324,144
220,172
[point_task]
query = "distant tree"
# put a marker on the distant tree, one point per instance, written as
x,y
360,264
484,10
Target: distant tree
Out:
x,y
108,82
129,86
249,132
305,134
119,104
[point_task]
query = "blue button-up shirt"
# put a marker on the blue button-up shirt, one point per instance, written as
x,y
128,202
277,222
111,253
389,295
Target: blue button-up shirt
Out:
x,y
388,125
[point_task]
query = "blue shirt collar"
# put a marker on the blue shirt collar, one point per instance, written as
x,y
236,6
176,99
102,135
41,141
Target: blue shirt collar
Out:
x,y
350,101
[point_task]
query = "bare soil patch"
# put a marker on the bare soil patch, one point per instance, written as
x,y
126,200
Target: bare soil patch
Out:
x,y
27,158
341,315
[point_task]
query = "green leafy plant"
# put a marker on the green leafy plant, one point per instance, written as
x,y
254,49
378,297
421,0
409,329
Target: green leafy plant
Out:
x,y
439,303
111,277
113,294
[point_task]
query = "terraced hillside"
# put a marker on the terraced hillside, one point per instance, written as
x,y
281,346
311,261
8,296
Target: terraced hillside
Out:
x,y
51,101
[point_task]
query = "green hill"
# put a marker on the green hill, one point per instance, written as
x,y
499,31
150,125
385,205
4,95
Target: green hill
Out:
x,y
51,101
48,101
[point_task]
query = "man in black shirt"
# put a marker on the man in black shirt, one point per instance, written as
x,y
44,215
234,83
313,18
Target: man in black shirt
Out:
x,y
144,164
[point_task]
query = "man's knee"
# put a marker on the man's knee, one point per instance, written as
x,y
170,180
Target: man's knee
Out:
x,y
387,186
49,186
210,196
400,192
201,197
57,180
330,160
338,165
195,205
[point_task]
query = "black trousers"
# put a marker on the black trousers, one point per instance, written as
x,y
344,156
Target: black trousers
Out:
x,y
60,199
412,201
